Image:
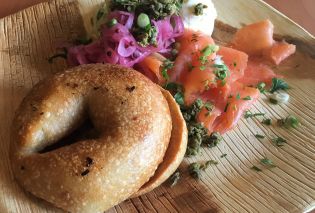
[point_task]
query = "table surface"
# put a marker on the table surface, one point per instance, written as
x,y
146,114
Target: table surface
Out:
x,y
301,11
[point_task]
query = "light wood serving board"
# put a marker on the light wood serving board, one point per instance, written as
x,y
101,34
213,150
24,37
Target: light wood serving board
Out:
x,y
29,37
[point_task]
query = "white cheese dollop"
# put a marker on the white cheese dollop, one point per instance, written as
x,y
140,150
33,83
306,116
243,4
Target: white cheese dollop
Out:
x,y
203,23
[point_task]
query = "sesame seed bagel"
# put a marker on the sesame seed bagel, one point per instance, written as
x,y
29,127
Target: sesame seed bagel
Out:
x,y
133,121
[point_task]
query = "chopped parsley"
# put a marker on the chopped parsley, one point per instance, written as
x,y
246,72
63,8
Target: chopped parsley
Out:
x,y
278,84
261,87
247,98
174,178
249,114
221,71
273,101
267,121
255,168
206,52
289,122
177,91
223,155
238,96
279,141
267,162
198,10
179,98
195,169
258,136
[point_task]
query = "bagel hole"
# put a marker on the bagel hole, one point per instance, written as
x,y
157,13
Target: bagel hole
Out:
x,y
84,132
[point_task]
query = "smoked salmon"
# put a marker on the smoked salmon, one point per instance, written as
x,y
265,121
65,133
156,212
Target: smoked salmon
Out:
x,y
279,52
255,38
225,77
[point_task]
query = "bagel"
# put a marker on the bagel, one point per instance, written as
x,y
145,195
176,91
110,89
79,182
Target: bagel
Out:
x,y
175,151
133,119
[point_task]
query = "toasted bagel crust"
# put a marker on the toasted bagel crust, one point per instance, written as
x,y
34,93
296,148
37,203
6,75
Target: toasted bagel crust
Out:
x,y
175,151
134,122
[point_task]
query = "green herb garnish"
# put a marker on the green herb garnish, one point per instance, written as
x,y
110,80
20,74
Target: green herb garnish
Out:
x,y
206,52
221,71
267,162
177,91
267,121
199,9
223,155
195,169
247,98
248,114
279,141
278,84
261,87
179,98
238,96
256,168
258,136
288,122
273,101
174,178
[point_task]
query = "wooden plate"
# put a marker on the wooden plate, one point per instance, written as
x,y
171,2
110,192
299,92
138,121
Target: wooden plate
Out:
x,y
29,37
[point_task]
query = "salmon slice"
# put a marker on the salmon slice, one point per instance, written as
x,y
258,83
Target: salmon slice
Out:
x,y
191,43
207,118
217,95
257,72
255,38
196,82
279,52
235,60
151,67
234,109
